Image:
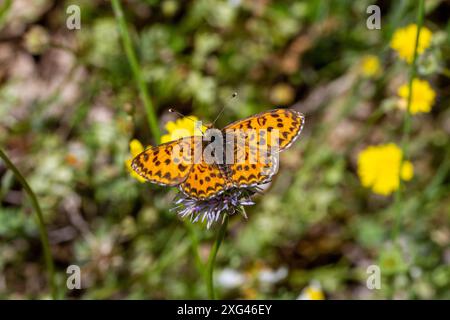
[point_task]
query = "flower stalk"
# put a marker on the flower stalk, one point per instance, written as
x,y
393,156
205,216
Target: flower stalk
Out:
x,y
407,118
40,219
212,258
212,211
194,247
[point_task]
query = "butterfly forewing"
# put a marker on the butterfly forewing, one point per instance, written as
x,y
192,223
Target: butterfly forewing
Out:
x,y
168,164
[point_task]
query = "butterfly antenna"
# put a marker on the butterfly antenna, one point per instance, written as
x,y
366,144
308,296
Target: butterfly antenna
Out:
x,y
234,95
180,114
171,110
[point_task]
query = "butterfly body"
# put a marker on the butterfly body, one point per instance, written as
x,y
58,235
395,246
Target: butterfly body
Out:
x,y
243,154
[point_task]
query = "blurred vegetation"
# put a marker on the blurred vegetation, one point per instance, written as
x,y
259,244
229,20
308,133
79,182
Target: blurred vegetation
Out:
x,y
69,107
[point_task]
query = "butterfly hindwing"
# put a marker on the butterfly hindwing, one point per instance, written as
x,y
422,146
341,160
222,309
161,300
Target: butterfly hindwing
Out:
x,y
168,164
204,181
251,165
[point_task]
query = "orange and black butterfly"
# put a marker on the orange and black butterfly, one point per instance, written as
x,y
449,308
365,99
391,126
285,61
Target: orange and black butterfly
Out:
x,y
172,163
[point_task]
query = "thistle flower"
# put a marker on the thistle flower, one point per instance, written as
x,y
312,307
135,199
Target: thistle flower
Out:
x,y
229,202
404,40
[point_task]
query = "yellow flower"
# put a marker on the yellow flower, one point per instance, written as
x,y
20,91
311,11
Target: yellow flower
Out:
x,y
183,127
422,97
312,292
379,168
404,40
282,94
136,147
370,66
407,172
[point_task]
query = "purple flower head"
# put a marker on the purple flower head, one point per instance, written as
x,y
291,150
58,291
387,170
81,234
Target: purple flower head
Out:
x,y
229,202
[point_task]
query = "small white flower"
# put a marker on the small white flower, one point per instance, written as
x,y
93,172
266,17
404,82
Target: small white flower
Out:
x,y
229,278
273,276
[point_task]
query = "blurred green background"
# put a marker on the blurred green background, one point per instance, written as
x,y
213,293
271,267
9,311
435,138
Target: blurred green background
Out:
x,y
69,107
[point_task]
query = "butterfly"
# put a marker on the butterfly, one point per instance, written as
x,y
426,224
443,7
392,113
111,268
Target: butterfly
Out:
x,y
179,162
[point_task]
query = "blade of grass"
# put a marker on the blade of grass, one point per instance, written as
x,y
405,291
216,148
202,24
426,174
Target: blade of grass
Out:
x,y
40,219
4,9
136,69
397,11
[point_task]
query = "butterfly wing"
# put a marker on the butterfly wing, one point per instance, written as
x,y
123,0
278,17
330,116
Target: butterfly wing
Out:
x,y
168,164
204,181
173,163
288,122
255,160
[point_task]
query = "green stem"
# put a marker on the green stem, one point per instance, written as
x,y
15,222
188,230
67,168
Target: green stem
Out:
x,y
132,60
407,121
40,219
4,10
397,10
194,247
212,259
